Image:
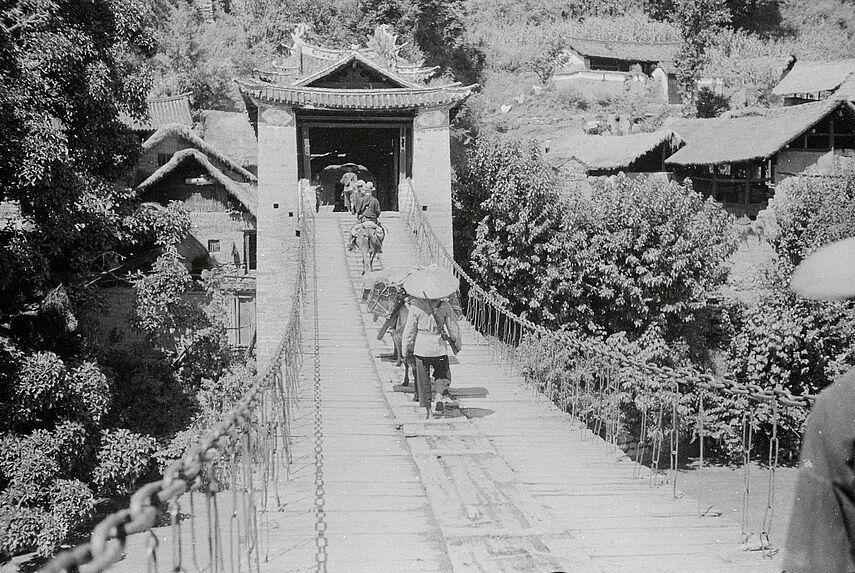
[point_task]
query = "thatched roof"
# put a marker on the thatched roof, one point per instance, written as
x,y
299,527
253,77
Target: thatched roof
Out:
x,y
190,137
748,137
628,51
598,152
846,91
232,133
244,193
161,111
815,77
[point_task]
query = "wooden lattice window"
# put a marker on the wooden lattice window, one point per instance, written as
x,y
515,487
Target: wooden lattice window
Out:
x,y
213,245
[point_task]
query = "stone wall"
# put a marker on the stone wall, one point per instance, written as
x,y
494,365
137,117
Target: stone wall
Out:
x,y
277,221
432,170
227,228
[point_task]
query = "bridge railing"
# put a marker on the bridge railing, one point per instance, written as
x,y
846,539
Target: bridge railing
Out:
x,y
215,497
609,391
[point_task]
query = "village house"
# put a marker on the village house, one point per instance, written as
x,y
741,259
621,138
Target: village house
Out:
x,y
813,81
220,196
161,111
324,108
597,68
738,158
178,165
595,155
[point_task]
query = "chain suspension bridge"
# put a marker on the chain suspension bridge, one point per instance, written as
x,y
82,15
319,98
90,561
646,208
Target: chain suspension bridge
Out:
x,y
323,466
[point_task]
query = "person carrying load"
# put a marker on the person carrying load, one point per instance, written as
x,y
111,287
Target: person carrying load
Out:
x,y
431,327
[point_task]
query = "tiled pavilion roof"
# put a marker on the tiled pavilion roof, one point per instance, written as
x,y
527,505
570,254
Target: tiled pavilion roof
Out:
x,y
162,111
380,99
283,88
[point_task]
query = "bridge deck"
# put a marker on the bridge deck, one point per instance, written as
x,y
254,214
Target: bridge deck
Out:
x,y
515,485
508,483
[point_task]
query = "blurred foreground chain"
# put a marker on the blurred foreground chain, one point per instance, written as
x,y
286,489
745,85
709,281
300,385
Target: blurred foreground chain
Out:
x,y
108,542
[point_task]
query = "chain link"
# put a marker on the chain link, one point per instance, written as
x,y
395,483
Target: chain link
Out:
x,y
108,540
320,511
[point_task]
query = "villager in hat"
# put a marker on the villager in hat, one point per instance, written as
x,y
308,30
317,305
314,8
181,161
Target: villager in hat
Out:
x,y
821,534
348,183
431,326
367,212
370,206
357,196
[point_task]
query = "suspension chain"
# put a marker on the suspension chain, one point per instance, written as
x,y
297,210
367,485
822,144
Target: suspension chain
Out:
x,y
682,376
320,512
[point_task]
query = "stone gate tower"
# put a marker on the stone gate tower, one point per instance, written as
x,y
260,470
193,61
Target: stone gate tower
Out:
x,y
326,108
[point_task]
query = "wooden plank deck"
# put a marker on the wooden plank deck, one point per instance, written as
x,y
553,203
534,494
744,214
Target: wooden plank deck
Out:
x,y
507,483
515,484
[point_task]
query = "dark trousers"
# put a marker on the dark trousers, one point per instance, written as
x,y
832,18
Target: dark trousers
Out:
x,y
441,375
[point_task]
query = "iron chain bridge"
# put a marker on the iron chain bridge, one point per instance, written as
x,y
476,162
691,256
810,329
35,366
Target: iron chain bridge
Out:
x,y
324,466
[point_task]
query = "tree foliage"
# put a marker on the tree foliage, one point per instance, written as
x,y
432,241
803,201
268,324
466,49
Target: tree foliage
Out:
x,y
787,341
633,254
644,252
516,240
814,210
698,21
66,72
710,104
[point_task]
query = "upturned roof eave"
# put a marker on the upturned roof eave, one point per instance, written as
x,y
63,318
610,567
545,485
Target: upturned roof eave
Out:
x,y
357,57
373,99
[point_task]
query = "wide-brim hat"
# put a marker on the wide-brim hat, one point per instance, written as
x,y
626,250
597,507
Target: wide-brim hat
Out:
x,y
369,185
360,183
398,277
431,284
828,273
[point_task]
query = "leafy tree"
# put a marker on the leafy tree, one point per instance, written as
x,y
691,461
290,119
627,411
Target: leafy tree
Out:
x,y
516,236
66,71
641,253
698,21
710,104
815,210
635,254
440,33
548,58
786,341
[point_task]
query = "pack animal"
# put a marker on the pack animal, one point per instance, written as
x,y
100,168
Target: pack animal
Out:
x,y
369,239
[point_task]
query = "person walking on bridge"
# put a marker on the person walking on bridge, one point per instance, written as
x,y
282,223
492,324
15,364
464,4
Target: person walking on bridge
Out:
x,y
431,327
348,183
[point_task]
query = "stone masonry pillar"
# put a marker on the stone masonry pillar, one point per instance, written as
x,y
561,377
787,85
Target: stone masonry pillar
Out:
x,y
277,224
432,170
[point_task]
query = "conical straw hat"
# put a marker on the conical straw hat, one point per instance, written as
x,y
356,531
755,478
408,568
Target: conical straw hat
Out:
x,y
431,284
828,273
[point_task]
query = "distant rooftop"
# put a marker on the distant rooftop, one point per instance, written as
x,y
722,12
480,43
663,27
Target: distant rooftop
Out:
x,y
625,50
815,77
162,111
757,135
604,152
